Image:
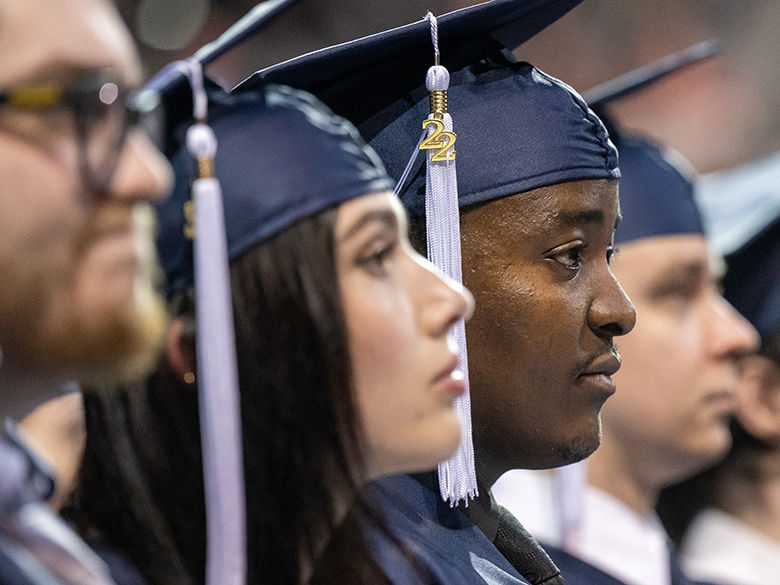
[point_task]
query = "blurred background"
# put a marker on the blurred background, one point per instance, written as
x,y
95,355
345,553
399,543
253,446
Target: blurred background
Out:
x,y
720,114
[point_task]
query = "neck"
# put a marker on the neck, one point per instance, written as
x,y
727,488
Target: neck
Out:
x,y
23,390
487,463
614,472
754,497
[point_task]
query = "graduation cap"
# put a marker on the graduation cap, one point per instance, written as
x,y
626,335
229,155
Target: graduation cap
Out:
x,y
656,191
752,282
282,156
516,129
656,186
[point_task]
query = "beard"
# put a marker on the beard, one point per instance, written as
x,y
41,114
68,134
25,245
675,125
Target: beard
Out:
x,y
578,449
49,328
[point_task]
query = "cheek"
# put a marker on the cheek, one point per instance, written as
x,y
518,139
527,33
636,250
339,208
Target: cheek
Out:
x,y
660,364
381,327
41,210
383,341
662,351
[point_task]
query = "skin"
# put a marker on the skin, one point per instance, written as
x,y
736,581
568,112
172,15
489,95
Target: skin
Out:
x,y
548,309
748,486
679,375
81,305
55,430
399,312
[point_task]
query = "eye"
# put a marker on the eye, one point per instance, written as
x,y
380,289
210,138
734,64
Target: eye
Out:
x,y
569,256
678,294
375,262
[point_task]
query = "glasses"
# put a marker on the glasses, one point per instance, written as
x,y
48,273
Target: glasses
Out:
x,y
103,112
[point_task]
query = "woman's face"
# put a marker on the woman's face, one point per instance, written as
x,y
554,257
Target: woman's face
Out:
x,y
399,313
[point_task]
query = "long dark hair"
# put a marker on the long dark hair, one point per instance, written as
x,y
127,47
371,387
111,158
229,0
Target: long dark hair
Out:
x,y
141,482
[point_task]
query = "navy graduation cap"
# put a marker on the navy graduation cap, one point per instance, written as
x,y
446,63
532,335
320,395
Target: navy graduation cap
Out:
x,y
656,185
282,156
517,127
752,284
656,190
512,128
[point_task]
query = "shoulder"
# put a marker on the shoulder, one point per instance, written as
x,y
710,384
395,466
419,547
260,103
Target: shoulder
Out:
x,y
575,571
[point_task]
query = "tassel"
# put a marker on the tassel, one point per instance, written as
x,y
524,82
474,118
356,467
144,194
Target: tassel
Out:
x,y
220,408
457,476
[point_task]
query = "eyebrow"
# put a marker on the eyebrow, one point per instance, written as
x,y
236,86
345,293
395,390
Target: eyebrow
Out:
x,y
585,216
582,216
67,72
384,216
692,270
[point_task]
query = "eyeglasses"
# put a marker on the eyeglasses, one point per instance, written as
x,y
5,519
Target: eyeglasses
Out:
x,y
103,112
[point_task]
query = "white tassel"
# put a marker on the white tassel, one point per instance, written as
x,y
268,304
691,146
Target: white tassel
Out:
x,y
220,408
457,476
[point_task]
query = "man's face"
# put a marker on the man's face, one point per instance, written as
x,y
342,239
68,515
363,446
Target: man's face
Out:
x,y
540,344
676,389
77,298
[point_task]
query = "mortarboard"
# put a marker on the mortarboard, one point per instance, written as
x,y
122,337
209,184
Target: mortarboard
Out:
x,y
282,156
516,129
752,281
656,186
656,190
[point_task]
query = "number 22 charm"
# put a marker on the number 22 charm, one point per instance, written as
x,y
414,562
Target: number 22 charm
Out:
x,y
440,140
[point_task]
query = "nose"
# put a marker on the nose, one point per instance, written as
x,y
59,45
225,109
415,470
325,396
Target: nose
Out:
x,y
142,172
611,313
731,335
443,301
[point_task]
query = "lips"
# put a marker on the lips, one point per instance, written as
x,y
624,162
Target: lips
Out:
x,y
606,365
723,401
450,381
597,375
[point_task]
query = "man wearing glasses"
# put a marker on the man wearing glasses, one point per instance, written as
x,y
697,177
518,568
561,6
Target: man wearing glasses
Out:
x,y
77,300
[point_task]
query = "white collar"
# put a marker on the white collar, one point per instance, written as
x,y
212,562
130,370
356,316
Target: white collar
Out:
x,y
719,547
617,540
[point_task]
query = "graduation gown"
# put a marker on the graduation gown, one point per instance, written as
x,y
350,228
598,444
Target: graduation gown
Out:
x,y
36,547
446,541
575,571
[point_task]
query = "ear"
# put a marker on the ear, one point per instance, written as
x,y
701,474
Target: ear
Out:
x,y
758,398
180,346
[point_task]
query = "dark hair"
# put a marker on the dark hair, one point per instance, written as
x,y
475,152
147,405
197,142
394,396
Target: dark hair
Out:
x,y
141,483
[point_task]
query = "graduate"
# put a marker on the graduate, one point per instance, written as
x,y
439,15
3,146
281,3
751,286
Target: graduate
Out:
x,y
344,366
676,389
78,299
535,206
733,536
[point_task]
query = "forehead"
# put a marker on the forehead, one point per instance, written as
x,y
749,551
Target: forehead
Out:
x,y
646,259
563,205
45,39
357,212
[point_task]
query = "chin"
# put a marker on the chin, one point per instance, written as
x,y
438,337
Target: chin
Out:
x,y
118,341
578,449
435,444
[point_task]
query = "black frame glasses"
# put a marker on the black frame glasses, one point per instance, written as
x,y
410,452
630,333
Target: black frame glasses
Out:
x,y
103,110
